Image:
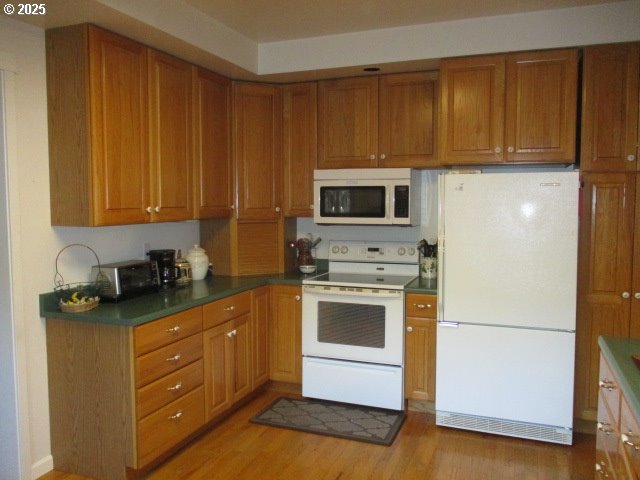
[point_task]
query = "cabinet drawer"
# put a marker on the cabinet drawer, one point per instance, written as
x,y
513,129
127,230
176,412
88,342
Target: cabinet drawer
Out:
x,y
166,330
218,312
165,428
609,388
630,433
607,454
168,388
168,359
421,305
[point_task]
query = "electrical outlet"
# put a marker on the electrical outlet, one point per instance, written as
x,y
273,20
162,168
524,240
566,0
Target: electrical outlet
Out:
x,y
145,250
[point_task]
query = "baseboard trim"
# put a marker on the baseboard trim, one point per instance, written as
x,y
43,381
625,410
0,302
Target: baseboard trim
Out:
x,y
42,466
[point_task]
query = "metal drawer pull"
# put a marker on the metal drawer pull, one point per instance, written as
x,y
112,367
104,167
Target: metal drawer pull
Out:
x,y
176,387
175,358
627,441
232,333
608,384
230,308
422,305
602,427
175,329
175,416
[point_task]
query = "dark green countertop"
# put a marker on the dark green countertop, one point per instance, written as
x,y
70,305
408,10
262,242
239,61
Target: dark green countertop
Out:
x,y
423,285
149,307
618,353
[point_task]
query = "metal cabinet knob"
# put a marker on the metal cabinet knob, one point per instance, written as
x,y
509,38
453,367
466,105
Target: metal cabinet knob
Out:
x,y
497,150
511,149
636,295
277,209
148,209
372,156
409,329
232,333
383,156
631,158
626,295
297,298
157,209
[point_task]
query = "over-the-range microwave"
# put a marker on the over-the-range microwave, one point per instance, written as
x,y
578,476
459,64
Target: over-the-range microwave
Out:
x,y
367,196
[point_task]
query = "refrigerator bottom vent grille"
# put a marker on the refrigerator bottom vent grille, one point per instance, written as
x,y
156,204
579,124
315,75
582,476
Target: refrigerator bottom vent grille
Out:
x,y
509,428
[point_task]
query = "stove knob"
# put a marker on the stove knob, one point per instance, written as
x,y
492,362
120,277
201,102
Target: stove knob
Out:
x,y
412,251
335,249
401,251
344,249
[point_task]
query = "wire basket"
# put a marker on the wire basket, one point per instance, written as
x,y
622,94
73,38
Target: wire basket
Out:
x,y
78,296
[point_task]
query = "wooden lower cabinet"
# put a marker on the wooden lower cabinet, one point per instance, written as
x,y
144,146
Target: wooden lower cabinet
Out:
x,y
260,315
286,334
420,347
618,434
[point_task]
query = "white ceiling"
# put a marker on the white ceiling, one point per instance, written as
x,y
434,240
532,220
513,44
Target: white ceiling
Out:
x,y
274,20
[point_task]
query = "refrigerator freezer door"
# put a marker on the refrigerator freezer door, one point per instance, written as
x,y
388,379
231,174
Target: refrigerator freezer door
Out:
x,y
506,373
509,253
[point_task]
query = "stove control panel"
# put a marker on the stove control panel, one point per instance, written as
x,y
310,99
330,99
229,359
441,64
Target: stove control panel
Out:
x,y
389,252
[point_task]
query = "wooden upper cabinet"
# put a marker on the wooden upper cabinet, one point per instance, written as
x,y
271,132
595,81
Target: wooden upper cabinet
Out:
x,y
170,135
635,279
258,150
518,107
212,144
407,120
610,108
299,147
604,274
472,109
348,122
541,106
98,134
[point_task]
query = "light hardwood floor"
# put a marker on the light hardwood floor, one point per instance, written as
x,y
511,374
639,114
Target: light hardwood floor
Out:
x,y
237,449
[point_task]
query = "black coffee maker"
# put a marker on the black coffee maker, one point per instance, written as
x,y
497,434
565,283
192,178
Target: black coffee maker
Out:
x,y
163,267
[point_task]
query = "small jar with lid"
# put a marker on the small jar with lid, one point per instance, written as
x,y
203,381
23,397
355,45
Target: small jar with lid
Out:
x,y
199,261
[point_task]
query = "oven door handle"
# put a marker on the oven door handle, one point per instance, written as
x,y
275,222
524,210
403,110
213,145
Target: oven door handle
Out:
x,y
351,291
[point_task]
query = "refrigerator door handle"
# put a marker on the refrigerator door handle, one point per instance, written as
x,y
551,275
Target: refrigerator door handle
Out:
x,y
440,272
448,324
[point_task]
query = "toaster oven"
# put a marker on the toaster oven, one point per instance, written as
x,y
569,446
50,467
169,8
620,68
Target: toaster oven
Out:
x,y
121,280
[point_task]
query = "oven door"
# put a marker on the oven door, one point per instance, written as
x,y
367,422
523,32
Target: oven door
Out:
x,y
357,324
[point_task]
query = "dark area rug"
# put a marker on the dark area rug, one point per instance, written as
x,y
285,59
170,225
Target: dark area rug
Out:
x,y
355,422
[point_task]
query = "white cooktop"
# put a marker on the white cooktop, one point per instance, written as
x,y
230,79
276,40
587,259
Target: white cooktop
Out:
x,y
392,282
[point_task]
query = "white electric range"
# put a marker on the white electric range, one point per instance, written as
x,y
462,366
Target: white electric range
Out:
x,y
353,324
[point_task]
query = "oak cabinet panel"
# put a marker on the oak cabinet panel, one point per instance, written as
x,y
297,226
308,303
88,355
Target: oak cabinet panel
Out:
x,y
260,319
170,138
420,347
518,108
299,147
97,89
407,120
286,334
217,370
610,108
605,289
348,122
212,144
257,110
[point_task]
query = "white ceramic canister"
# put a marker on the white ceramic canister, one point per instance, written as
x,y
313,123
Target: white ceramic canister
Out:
x,y
199,261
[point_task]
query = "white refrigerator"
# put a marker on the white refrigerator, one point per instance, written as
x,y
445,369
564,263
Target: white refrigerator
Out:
x,y
507,253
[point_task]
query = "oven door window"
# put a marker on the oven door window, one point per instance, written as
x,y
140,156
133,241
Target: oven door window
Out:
x,y
356,201
351,324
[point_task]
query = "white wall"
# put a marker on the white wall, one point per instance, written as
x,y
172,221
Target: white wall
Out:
x,y
34,243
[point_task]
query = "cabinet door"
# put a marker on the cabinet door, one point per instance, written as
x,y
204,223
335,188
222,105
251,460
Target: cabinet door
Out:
x,y
218,370
286,334
541,99
170,135
420,356
300,143
119,129
472,99
604,273
260,309
407,120
635,284
257,141
212,144
241,354
610,108
348,123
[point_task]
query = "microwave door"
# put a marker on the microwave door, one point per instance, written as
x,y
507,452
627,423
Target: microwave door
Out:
x,y
345,202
